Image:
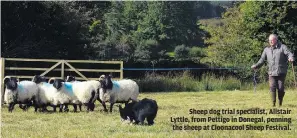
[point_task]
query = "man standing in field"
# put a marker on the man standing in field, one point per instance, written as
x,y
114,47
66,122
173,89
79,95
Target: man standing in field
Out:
x,y
277,55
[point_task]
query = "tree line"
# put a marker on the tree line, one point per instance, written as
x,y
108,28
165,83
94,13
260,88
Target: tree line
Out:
x,y
229,34
121,30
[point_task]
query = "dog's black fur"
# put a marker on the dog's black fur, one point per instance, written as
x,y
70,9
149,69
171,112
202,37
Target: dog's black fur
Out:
x,y
139,111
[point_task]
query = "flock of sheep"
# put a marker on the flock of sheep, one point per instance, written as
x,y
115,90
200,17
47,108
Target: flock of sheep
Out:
x,y
59,93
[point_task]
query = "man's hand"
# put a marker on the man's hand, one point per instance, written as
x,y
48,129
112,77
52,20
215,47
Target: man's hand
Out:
x,y
290,59
253,67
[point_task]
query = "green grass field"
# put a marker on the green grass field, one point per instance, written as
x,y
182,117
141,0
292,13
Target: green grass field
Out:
x,y
19,124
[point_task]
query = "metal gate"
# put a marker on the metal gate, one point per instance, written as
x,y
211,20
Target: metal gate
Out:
x,y
65,65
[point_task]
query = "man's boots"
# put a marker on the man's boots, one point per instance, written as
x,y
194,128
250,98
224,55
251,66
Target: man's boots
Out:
x,y
273,97
280,98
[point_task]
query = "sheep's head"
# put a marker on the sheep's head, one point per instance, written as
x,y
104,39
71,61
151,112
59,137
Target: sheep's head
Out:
x,y
10,83
70,78
102,77
106,83
58,83
38,79
11,86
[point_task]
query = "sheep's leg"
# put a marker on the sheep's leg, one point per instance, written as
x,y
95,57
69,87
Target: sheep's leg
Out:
x,y
87,105
66,108
111,104
35,108
43,108
30,102
92,106
22,107
11,107
79,107
27,105
74,107
103,104
36,105
61,108
111,101
54,108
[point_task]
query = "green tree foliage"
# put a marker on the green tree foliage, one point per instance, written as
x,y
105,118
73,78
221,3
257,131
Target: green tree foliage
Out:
x,y
170,23
41,29
213,9
122,21
243,35
197,53
147,30
117,30
181,51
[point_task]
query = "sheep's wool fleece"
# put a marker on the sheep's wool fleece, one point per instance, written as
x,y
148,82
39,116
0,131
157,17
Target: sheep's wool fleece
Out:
x,y
46,94
64,94
25,90
83,90
122,90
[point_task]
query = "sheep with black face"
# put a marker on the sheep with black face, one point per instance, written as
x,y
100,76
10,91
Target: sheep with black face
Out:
x,y
139,111
85,92
117,91
71,79
49,95
66,94
24,92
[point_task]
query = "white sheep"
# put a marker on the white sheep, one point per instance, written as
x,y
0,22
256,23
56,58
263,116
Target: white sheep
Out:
x,y
54,94
85,92
117,91
47,95
24,92
66,94
71,79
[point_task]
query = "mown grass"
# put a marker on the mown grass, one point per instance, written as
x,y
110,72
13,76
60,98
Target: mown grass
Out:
x,y
19,124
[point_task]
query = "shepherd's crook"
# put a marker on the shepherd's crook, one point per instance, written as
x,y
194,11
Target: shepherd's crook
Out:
x,y
294,76
255,81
